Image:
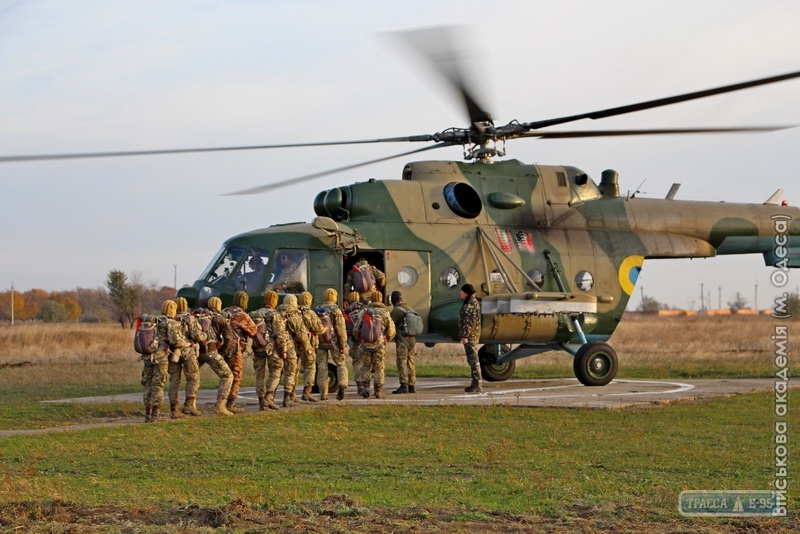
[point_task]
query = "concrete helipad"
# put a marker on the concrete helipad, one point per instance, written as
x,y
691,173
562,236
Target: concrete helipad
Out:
x,y
558,392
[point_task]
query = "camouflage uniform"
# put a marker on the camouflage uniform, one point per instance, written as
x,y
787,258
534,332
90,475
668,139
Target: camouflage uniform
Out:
x,y
243,328
154,374
469,330
308,361
404,347
374,353
269,358
336,350
210,355
352,312
377,274
187,363
299,341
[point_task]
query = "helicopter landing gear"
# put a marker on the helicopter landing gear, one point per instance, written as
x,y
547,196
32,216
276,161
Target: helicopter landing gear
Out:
x,y
491,370
595,364
333,381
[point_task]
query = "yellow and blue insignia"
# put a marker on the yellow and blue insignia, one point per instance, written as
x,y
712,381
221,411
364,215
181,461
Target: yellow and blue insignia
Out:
x,y
629,272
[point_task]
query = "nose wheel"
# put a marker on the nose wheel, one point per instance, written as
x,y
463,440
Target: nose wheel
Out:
x,y
595,364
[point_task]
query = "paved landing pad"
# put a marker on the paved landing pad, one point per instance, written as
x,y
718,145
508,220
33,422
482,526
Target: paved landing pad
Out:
x,y
557,392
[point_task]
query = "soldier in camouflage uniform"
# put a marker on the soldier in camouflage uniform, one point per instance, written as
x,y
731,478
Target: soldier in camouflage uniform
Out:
x,y
271,357
404,346
154,374
469,330
352,310
299,342
209,353
335,350
186,363
374,353
377,274
309,361
243,328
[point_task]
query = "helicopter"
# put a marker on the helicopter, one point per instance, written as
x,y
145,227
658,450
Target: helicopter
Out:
x,y
553,254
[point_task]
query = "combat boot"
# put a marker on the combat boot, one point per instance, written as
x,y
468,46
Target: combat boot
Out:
x,y
364,391
220,408
359,387
412,389
474,387
231,406
307,396
293,396
340,393
189,407
402,389
174,411
154,413
379,392
148,410
287,398
268,401
262,404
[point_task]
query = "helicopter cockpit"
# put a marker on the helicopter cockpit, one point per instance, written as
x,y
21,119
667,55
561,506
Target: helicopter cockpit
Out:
x,y
235,268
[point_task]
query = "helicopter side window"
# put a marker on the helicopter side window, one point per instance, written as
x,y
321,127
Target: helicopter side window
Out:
x,y
290,272
220,269
584,280
450,277
250,273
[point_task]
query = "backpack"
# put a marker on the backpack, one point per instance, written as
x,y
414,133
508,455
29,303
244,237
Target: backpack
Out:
x,y
204,319
145,339
412,323
363,279
326,337
371,327
262,340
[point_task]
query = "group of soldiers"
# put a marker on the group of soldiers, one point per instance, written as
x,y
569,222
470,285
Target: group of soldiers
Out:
x,y
282,339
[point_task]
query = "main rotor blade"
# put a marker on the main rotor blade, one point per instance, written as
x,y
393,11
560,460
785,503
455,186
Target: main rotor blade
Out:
x,y
125,153
661,101
436,46
307,177
661,131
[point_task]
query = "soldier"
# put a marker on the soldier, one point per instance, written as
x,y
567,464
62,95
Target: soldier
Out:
x,y
469,330
271,356
333,347
377,324
377,275
308,361
243,328
154,373
352,310
210,355
186,363
404,345
299,342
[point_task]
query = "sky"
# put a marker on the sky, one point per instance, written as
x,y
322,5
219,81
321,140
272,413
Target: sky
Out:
x,y
86,76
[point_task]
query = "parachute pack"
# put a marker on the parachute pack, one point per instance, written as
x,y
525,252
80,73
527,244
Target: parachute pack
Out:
x,y
412,323
205,320
263,339
326,337
145,339
363,279
371,327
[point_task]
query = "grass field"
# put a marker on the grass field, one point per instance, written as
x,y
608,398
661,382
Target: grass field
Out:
x,y
386,469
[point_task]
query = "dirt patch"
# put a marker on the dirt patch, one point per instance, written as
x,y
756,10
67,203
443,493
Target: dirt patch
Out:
x,y
339,513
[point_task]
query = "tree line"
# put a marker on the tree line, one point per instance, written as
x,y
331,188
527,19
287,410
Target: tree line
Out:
x,y
123,298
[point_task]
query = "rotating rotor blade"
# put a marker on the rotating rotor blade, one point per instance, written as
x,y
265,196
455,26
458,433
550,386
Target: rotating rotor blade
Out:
x,y
650,104
436,46
661,131
125,153
307,177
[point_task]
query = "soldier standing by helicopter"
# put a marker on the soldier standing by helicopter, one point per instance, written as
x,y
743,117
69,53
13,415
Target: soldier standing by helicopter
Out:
x,y
354,282
469,330
404,346
209,351
308,361
335,348
353,307
243,328
187,364
298,335
374,328
271,356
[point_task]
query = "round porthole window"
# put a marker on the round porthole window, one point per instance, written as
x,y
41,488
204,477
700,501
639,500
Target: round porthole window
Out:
x,y
537,276
450,277
584,280
407,276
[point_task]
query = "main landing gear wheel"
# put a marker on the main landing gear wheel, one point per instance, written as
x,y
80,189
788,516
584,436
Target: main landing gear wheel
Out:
x,y
333,381
492,371
595,364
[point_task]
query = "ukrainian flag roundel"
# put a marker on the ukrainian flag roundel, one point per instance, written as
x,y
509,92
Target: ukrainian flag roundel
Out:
x,y
629,272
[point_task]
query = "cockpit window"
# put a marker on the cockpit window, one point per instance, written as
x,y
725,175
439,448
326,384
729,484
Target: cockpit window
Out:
x,y
221,268
290,272
250,273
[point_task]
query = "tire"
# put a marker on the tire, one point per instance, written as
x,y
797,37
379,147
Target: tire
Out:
x,y
491,371
595,364
333,381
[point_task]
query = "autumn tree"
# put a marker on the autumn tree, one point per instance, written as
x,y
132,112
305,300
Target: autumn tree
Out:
x,y
125,296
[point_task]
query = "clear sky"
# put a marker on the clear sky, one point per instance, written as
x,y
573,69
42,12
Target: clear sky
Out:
x,y
101,76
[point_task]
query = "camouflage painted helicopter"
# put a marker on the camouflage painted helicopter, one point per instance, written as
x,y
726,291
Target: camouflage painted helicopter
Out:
x,y
554,254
